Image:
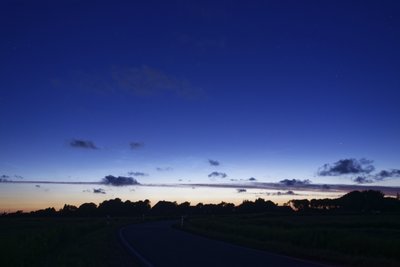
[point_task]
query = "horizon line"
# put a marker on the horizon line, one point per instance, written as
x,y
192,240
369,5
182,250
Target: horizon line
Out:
x,y
389,190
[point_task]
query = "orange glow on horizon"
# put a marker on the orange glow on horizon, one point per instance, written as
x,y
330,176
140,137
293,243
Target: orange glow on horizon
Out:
x,y
28,197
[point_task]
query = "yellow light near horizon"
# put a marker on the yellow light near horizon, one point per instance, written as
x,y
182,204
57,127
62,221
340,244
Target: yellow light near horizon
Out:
x,y
28,197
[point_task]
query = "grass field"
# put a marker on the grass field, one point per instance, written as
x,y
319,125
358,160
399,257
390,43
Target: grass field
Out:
x,y
61,242
353,240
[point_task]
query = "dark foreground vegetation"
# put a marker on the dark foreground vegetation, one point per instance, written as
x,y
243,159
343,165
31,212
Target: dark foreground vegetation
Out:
x,y
357,229
340,239
62,242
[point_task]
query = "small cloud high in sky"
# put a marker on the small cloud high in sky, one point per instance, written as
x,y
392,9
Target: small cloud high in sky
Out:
x,y
279,93
213,162
85,144
136,145
347,166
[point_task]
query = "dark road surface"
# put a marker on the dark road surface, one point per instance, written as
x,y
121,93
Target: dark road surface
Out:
x,y
158,244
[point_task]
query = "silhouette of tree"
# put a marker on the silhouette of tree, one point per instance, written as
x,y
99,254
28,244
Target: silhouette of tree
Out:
x,y
184,208
362,201
49,212
68,210
136,208
112,207
226,208
165,208
87,210
259,205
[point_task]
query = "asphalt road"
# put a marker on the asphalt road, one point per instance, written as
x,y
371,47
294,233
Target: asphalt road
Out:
x,y
158,244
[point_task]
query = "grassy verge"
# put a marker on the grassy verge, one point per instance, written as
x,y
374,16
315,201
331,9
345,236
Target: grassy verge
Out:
x,y
61,242
354,240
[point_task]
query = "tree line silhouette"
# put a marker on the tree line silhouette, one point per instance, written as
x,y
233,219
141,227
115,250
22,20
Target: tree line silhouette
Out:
x,y
355,201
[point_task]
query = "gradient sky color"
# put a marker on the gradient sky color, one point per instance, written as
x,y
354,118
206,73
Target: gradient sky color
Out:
x,y
270,89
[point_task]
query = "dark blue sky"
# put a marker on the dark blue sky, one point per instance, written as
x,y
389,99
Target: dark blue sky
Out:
x,y
270,89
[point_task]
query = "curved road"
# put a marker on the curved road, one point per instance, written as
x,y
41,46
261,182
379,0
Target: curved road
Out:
x,y
158,244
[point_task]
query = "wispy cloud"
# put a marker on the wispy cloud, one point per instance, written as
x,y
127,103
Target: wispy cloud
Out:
x,y
289,193
201,44
284,188
138,174
251,179
147,81
85,144
285,193
380,176
163,169
48,182
388,190
213,162
5,177
136,145
294,182
141,81
241,190
217,175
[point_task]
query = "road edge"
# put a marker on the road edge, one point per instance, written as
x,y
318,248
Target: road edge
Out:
x,y
143,261
307,261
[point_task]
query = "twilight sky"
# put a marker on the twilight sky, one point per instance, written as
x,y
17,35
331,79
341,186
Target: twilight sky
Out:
x,y
192,91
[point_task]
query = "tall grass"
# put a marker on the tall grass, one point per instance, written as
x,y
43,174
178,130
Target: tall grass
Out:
x,y
59,242
356,240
